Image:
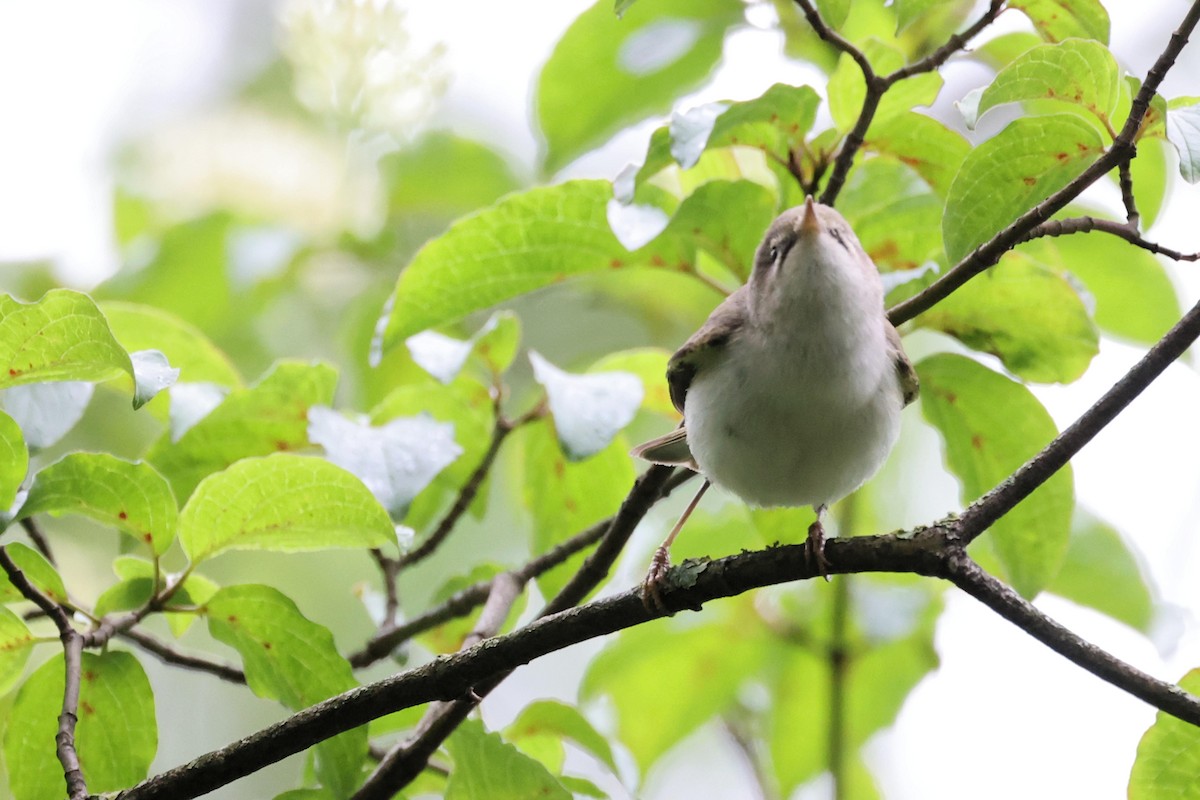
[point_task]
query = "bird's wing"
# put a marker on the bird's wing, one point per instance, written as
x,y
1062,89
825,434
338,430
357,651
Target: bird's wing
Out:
x,y
670,450
905,374
725,322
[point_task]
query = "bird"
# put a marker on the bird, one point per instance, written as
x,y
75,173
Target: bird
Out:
x,y
791,391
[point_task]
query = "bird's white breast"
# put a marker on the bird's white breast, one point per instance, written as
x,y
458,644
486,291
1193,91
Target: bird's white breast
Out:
x,y
798,415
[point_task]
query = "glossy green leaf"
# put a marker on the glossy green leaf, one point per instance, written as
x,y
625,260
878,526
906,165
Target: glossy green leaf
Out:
x,y
396,461
129,496
487,766
1056,20
265,418
1134,296
897,218
543,726
1012,172
1183,131
46,412
1078,72
565,497
847,89
443,357
446,175
776,122
833,12
660,666
1100,571
633,67
588,410
16,643
14,462
649,364
116,736
139,327
1168,757
293,660
283,503
909,11
1001,51
526,241
927,146
1025,313
124,596
61,337
990,426
40,572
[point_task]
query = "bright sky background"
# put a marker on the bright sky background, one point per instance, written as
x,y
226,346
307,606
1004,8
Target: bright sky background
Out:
x,y
1003,716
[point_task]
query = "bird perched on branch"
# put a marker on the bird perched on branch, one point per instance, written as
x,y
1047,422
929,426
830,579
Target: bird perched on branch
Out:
x,y
791,391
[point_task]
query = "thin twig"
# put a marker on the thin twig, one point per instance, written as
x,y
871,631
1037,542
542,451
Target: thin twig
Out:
x,y
877,85
1086,224
1125,174
980,515
968,576
1122,150
170,655
38,537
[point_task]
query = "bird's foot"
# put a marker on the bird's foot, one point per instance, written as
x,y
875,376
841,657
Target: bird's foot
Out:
x,y
656,579
814,549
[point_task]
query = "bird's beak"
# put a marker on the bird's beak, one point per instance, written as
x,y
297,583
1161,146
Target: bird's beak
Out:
x,y
810,223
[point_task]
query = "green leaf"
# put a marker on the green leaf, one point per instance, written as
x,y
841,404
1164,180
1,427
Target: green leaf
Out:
x,y
46,412
487,766
1134,296
1056,20
61,337
37,569
396,460
139,327
129,496
1183,131
443,357
195,590
1001,51
1012,172
833,12
588,410
291,659
1168,757
446,175
649,364
909,11
124,596
990,426
633,67
776,123
897,218
526,241
152,373
543,725
566,496
847,89
1077,72
14,462
16,643
1026,314
270,416
659,666
284,503
1100,571
116,735
934,151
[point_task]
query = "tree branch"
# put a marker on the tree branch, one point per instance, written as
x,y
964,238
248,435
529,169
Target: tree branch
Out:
x,y
170,655
38,537
1086,224
72,642
1125,176
1121,151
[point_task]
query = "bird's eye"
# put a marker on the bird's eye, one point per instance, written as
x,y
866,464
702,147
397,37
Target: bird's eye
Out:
x,y
774,253
836,233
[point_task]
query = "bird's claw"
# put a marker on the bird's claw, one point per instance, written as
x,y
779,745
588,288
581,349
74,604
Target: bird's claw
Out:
x,y
655,580
814,549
